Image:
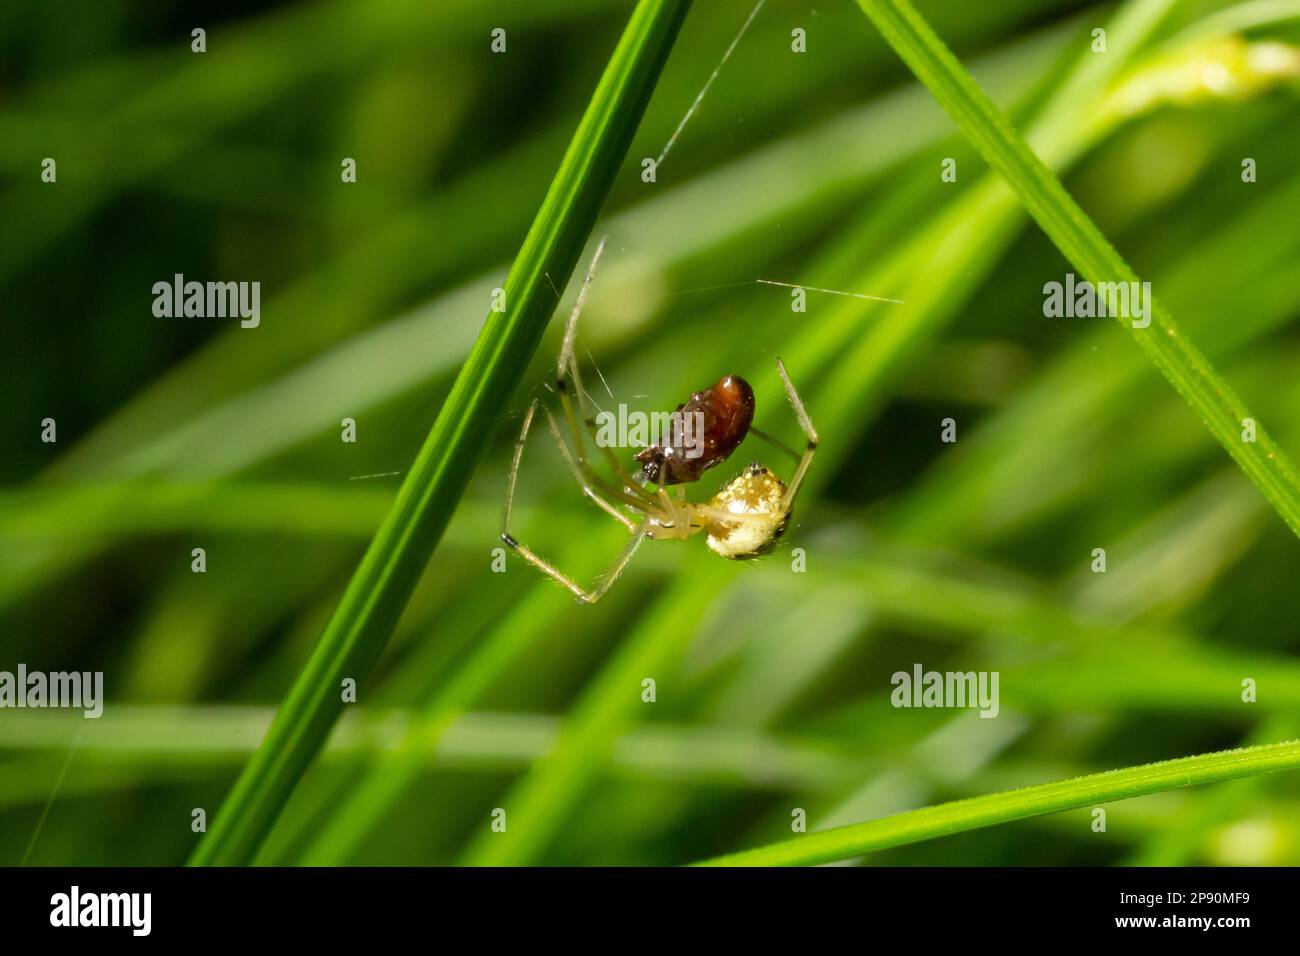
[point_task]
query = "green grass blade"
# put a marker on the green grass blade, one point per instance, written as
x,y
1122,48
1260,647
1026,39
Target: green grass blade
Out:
x,y
1082,243
843,843
387,575
545,798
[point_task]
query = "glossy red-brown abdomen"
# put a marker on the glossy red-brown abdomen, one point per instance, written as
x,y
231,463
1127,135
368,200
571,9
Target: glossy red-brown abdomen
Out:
x,y
723,413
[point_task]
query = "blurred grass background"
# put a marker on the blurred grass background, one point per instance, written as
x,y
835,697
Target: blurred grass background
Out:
x,y
498,690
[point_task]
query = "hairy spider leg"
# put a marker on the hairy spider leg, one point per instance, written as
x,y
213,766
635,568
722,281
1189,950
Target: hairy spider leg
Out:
x,y
679,515
606,581
586,486
603,584
566,372
775,443
810,434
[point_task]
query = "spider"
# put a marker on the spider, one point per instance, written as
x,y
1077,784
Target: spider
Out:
x,y
743,520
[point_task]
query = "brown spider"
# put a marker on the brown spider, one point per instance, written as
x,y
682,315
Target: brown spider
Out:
x,y
743,520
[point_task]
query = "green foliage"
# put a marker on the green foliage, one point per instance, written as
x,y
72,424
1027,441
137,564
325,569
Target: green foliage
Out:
x,y
382,584
773,687
845,842
1083,244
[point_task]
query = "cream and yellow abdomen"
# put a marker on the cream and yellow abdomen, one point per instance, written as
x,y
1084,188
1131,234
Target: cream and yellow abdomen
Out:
x,y
755,497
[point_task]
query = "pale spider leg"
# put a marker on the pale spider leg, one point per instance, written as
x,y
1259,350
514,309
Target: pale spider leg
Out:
x,y
665,501
606,581
566,370
668,518
775,443
588,483
584,415
576,429
610,576
722,514
571,327
787,500
632,492
512,479
566,366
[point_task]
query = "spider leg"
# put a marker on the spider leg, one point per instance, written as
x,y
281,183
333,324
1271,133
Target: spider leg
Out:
x,y
810,433
606,580
566,372
775,443
630,484
665,501
732,517
610,576
589,480
587,487
513,478
564,360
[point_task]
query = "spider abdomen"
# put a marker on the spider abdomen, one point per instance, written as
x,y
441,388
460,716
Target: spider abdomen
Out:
x,y
756,496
